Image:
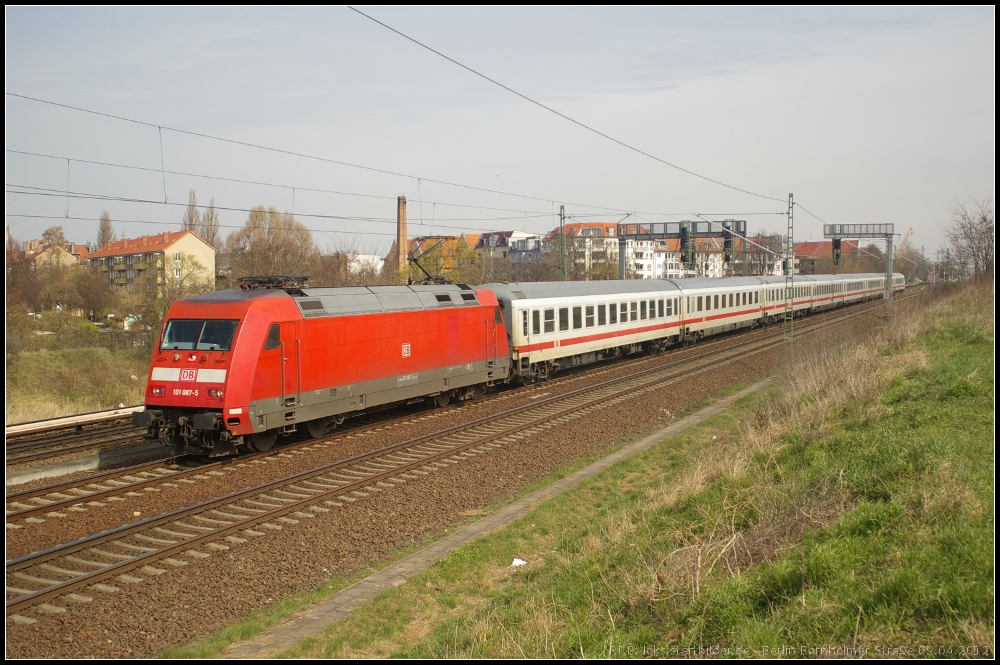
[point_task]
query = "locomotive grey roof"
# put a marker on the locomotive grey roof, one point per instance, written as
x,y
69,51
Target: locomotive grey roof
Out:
x,y
236,295
347,300
803,280
521,290
716,282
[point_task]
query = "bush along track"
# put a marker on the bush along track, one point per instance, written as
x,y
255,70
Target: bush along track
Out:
x,y
847,512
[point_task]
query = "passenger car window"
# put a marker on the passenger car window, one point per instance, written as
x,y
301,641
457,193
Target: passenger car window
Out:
x,y
602,315
564,318
590,316
577,318
550,321
536,322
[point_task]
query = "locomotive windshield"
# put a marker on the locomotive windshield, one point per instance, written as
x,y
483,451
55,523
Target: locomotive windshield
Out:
x,y
199,334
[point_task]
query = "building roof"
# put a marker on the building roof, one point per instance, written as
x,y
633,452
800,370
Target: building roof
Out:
x,y
81,252
492,239
155,243
575,229
811,250
35,248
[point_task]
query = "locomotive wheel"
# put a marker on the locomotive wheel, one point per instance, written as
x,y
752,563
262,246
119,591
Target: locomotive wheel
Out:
x,y
262,441
442,399
476,391
316,429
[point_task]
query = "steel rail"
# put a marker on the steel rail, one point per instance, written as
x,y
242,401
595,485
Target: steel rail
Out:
x,y
355,475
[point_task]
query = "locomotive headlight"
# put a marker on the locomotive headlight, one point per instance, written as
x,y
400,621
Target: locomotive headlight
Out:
x,y
157,391
215,393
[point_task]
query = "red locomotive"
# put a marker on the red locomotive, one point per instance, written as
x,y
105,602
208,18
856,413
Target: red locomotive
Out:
x,y
236,368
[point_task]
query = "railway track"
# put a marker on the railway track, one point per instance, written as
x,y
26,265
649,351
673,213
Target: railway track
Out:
x,y
49,439
44,439
130,550
70,495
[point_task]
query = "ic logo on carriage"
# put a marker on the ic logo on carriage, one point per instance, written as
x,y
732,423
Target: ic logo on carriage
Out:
x,y
188,374
406,350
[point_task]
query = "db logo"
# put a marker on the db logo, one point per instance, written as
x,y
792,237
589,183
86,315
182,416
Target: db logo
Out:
x,y
188,374
406,350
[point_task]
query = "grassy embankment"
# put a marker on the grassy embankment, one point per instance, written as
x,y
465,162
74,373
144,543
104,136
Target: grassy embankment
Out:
x,y
840,509
48,384
851,506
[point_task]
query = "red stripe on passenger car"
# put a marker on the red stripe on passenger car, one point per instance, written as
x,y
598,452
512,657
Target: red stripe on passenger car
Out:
x,y
535,347
618,333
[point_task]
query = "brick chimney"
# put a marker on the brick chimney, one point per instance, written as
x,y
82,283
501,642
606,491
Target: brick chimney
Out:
x,y
402,246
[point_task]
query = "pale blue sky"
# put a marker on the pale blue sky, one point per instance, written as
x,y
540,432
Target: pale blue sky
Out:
x,y
867,115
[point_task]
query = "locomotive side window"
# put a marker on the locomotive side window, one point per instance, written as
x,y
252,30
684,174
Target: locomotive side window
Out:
x,y
590,316
602,315
550,321
564,318
273,337
497,318
577,318
536,322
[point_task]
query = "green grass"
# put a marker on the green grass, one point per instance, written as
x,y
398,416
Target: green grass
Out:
x,y
848,511
47,384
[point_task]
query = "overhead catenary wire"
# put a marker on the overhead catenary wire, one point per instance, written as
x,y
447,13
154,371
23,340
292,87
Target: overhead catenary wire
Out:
x,y
563,115
467,227
293,153
47,191
262,183
164,171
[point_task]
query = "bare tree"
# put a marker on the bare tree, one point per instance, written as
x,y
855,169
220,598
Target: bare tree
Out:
x,y
271,243
762,253
208,229
972,239
105,232
55,241
192,217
